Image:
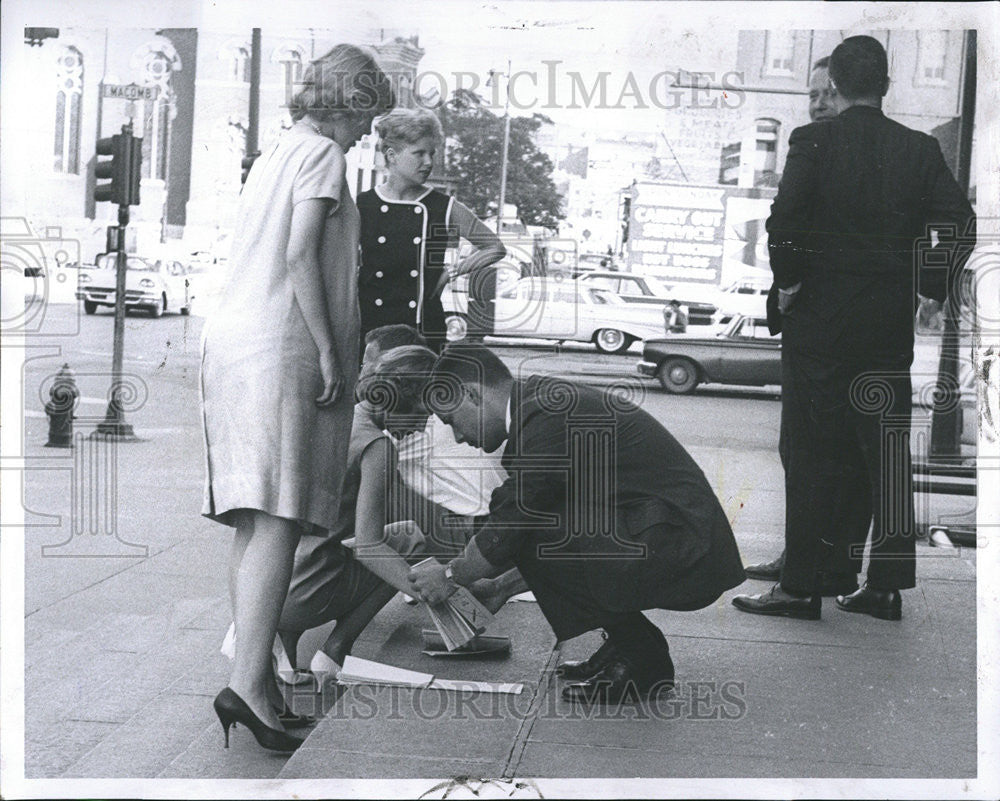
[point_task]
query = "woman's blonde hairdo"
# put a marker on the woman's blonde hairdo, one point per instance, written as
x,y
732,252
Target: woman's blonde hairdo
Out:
x,y
347,79
406,126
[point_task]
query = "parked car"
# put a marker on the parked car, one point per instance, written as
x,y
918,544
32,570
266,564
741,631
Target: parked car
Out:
x,y
566,310
156,285
630,287
743,352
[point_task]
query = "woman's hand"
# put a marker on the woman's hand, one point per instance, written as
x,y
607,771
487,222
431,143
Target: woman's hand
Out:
x,y
333,378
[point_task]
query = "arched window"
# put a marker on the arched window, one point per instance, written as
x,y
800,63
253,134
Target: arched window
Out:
x,y
69,94
158,64
766,157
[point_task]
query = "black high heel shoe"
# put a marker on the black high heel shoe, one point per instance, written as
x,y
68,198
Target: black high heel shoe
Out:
x,y
232,709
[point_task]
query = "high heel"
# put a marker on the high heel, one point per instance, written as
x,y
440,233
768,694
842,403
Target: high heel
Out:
x,y
232,709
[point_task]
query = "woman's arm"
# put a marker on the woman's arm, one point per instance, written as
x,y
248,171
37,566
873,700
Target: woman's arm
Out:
x,y
488,247
302,256
378,463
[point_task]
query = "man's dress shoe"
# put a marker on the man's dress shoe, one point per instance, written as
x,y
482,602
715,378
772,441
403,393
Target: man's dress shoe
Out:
x,y
620,681
883,604
584,669
768,571
780,603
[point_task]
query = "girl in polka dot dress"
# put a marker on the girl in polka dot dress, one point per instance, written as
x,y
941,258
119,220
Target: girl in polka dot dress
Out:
x,y
406,228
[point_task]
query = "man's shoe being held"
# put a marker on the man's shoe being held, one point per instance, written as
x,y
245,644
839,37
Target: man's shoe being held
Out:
x,y
768,571
619,682
780,603
584,669
883,604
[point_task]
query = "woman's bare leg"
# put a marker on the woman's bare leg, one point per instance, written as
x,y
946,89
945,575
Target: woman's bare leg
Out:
x,y
261,586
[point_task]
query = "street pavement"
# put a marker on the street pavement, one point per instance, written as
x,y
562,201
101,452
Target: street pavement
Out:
x,y
126,606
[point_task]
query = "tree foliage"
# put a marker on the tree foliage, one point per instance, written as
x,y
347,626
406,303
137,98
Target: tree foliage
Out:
x,y
475,145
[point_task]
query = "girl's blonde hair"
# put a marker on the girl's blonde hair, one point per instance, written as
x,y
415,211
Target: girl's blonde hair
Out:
x,y
397,384
347,79
406,126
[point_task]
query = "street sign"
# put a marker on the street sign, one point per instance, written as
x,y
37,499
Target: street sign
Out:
x,y
131,91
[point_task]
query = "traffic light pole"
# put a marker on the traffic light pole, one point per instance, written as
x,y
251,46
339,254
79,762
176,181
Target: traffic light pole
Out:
x,y
114,423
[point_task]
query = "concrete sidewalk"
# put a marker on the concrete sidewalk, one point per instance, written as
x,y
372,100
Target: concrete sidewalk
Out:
x,y
122,659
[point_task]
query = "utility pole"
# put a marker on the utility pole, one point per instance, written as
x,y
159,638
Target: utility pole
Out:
x,y
504,153
253,115
946,419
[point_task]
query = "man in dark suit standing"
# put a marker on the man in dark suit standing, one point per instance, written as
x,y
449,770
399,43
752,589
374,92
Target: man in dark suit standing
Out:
x,y
842,558
857,194
604,513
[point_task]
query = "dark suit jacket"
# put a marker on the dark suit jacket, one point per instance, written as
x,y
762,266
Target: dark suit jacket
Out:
x,y
856,198
605,489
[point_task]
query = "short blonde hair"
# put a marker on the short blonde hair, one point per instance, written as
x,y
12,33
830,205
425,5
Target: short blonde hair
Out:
x,y
397,384
347,79
406,126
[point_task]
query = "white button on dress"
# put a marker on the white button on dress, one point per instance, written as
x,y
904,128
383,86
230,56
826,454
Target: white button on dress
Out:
x,y
381,240
378,301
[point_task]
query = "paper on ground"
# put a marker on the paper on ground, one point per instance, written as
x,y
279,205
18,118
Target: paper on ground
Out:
x,y
365,671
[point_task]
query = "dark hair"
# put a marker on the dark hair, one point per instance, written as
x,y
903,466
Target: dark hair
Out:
x,y
397,335
347,79
859,68
822,63
462,363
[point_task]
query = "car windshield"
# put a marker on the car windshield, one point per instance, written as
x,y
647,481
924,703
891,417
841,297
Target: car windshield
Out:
x,y
109,262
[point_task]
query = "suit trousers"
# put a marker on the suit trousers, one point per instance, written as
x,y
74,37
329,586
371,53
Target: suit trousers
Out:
x,y
842,554
846,406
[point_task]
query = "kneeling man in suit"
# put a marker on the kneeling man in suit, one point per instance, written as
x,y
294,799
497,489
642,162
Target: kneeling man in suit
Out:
x,y
603,512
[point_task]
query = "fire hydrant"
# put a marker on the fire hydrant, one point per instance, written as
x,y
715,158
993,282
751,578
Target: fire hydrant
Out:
x,y
64,395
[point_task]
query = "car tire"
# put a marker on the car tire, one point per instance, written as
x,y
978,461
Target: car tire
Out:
x,y
456,327
678,376
159,307
611,340
89,307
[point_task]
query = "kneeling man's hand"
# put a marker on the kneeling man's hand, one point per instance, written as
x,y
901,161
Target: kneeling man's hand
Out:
x,y
430,582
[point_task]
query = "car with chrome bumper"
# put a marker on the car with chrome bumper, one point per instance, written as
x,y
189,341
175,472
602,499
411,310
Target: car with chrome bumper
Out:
x,y
155,285
743,352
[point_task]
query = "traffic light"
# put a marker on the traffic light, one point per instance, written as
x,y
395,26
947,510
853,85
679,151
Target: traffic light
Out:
x,y
247,163
124,170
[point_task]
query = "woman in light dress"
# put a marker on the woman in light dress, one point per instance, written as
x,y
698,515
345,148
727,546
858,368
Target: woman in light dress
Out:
x,y
279,364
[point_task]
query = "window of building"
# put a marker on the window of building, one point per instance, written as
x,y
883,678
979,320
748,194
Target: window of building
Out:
x,y
69,95
240,64
156,114
932,56
766,158
779,53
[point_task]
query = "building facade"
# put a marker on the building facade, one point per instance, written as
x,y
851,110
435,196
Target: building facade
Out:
x,y
194,131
